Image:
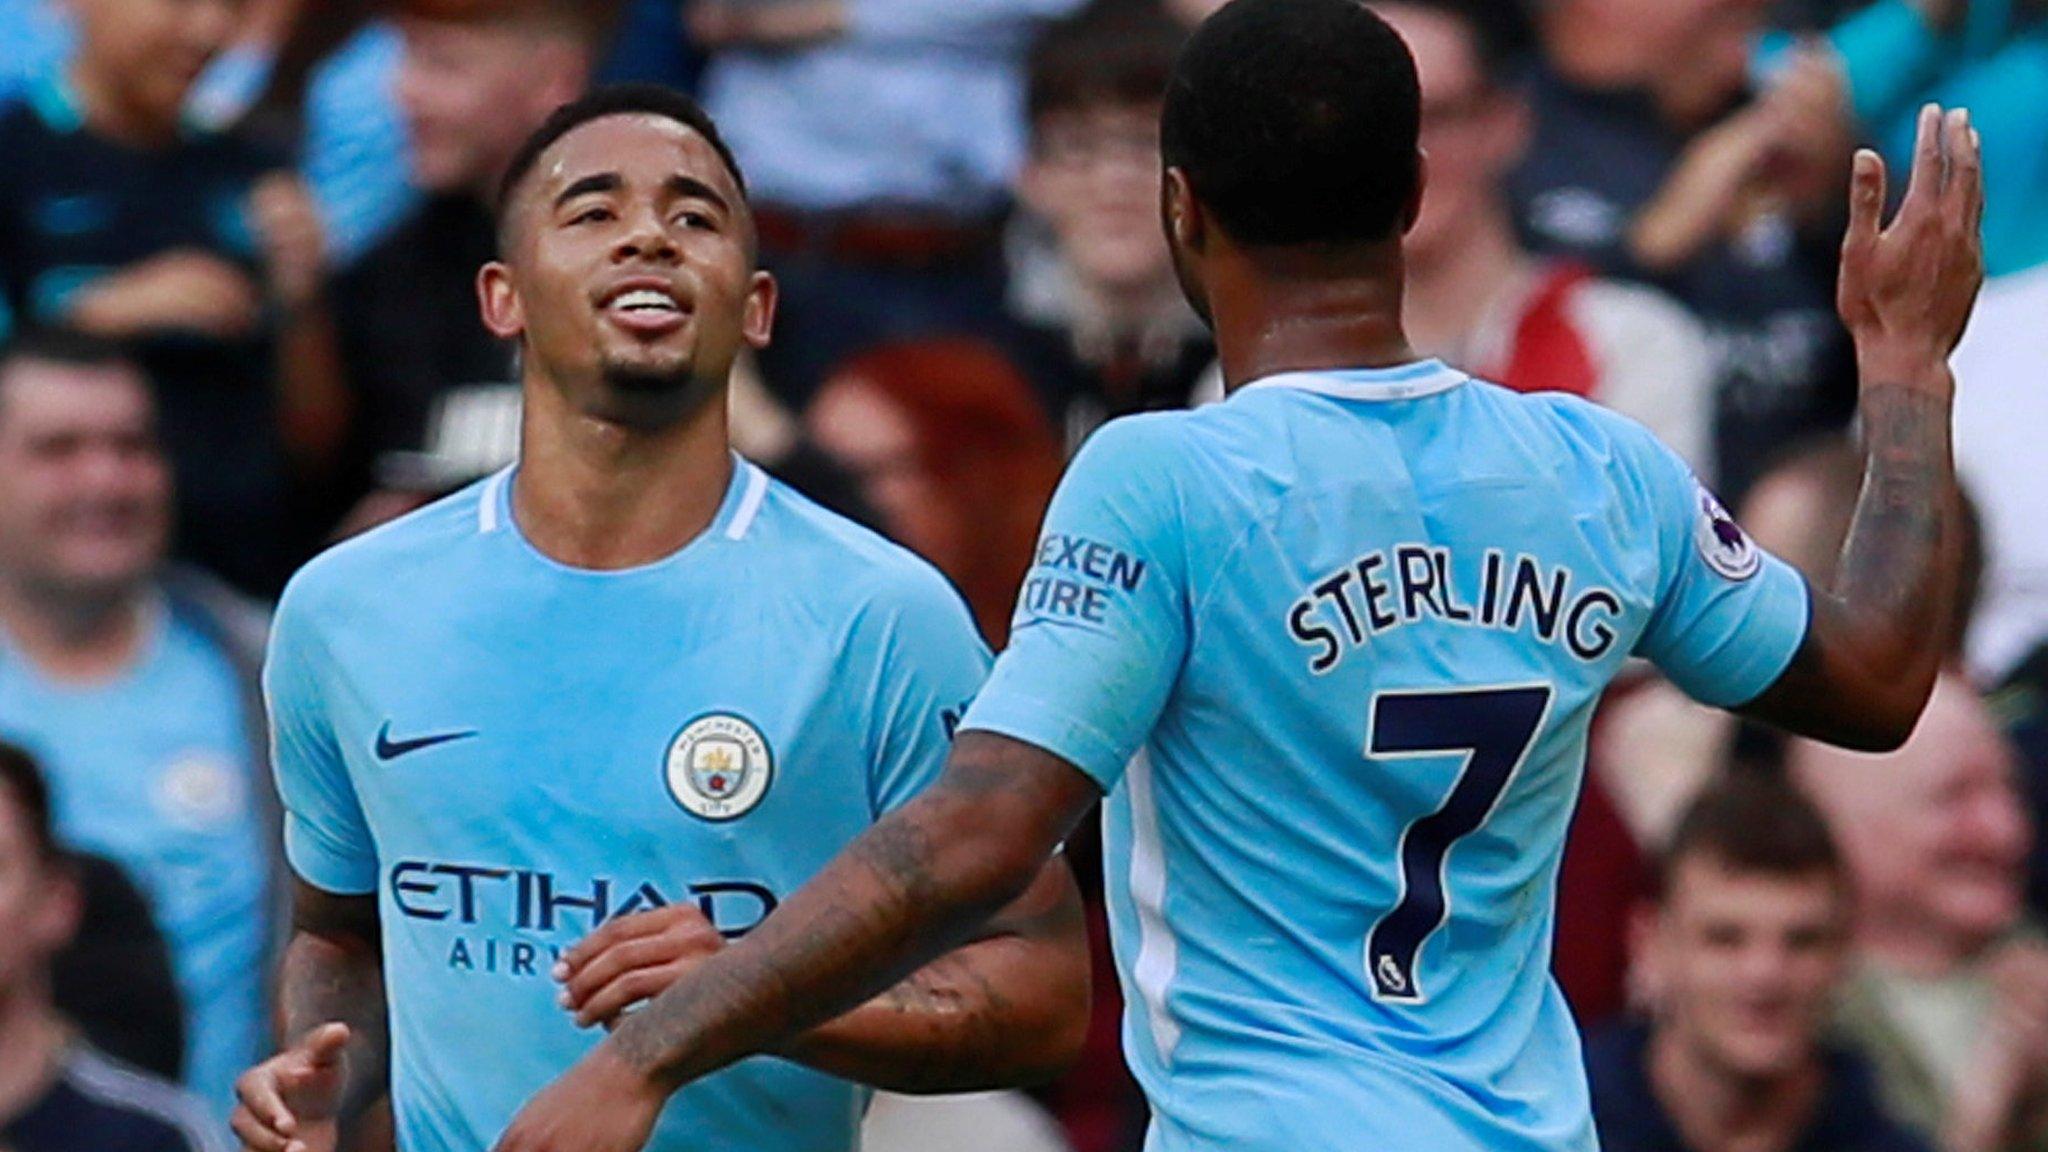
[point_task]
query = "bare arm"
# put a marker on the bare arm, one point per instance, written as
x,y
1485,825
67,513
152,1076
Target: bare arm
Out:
x,y
336,1057
1877,637
922,881
1008,1008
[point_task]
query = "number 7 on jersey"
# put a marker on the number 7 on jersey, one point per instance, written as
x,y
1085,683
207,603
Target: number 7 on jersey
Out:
x,y
1495,728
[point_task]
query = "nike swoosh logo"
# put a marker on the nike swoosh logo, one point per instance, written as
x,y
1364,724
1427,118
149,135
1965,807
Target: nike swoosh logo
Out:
x,y
389,749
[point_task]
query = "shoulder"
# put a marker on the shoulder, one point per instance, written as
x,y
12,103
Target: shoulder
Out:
x,y
366,568
152,1113
844,563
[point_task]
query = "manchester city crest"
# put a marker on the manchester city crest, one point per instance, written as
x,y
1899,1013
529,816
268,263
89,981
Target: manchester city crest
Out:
x,y
1723,544
719,767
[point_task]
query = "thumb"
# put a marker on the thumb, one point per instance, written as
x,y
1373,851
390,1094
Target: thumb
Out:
x,y
324,1045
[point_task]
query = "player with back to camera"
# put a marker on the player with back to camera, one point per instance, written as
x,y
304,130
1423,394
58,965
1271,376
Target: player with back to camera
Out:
x,y
630,685
1357,616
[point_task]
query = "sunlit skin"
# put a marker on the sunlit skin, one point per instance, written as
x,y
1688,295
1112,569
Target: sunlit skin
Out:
x,y
85,494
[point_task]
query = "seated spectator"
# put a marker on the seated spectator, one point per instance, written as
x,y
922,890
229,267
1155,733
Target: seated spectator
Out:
x,y
1478,299
1103,329
472,88
1646,162
1747,944
946,446
118,219
880,141
114,980
1950,990
56,1093
134,683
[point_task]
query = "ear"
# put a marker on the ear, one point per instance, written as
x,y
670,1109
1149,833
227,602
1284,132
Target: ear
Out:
x,y
1187,226
504,313
1413,212
757,319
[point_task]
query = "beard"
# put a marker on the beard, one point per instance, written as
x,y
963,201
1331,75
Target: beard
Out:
x,y
655,396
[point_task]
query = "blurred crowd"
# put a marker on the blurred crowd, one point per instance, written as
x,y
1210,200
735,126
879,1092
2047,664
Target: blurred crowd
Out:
x,y
238,248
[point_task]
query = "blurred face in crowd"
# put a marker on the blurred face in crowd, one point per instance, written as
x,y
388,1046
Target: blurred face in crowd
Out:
x,y
1093,176
1934,833
85,493
1473,130
473,90
869,435
38,903
1704,68
153,51
629,272
1747,963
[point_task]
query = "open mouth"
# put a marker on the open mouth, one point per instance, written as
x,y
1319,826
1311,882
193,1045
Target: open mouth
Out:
x,y
645,308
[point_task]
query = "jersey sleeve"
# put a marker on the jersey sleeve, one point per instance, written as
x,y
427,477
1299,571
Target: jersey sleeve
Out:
x,y
930,662
1101,625
1729,616
326,838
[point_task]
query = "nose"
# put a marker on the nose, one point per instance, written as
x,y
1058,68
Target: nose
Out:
x,y
645,236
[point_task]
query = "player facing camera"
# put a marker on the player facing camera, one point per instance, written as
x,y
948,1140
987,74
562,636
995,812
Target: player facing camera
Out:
x,y
627,264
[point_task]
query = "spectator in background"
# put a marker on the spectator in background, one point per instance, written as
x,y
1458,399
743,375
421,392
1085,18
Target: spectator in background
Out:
x,y
136,684
56,1093
1102,327
1647,163
118,220
881,139
472,87
1479,300
1950,993
1748,941
946,445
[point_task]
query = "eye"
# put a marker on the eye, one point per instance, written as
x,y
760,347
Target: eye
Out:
x,y
593,214
692,218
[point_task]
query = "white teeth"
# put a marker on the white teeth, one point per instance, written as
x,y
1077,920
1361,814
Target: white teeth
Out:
x,y
644,299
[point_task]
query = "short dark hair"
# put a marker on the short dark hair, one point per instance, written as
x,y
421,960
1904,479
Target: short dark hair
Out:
x,y
1111,52
1296,122
68,346
21,779
613,100
1753,821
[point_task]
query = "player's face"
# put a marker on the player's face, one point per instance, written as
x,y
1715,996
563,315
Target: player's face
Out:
x,y
1472,129
1093,176
630,276
155,49
1748,963
85,494
35,903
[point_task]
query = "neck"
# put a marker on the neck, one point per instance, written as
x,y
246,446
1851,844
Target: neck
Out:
x,y
113,115
73,637
1719,1111
590,493
30,1055
1292,311
1449,297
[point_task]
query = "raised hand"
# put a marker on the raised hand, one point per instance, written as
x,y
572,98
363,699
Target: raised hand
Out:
x,y
1907,289
291,1102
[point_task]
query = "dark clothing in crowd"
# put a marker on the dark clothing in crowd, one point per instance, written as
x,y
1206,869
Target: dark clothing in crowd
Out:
x,y
1767,301
410,328
98,1105
1084,387
75,208
2021,704
1630,1118
115,981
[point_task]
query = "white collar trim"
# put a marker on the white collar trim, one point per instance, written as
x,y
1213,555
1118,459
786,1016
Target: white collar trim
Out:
x,y
1405,382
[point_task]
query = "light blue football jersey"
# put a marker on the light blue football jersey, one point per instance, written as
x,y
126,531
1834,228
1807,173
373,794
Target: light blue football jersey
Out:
x,y
509,752
1353,626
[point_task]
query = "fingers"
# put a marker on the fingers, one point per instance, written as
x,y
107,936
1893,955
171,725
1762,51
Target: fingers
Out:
x,y
255,1134
260,1097
604,1005
1924,185
1963,199
633,955
617,931
1866,202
